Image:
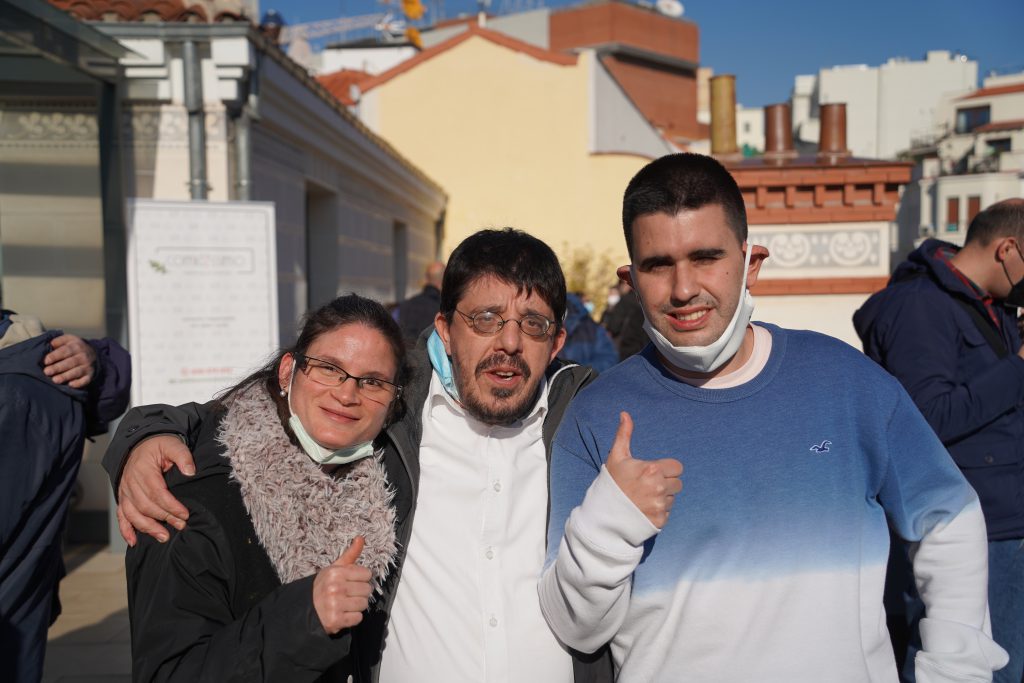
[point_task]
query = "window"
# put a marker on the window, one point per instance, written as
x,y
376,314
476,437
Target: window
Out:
x,y
400,259
973,207
746,126
971,118
323,262
998,146
952,214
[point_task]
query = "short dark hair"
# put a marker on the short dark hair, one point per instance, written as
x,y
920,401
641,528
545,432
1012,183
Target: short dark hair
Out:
x,y
345,310
1002,219
511,256
682,181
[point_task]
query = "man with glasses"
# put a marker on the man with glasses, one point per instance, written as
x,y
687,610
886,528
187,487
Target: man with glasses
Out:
x,y
468,461
946,327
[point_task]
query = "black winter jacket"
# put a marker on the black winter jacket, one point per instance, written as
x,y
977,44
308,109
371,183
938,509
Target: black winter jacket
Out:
x,y
42,431
417,313
400,442
207,605
43,426
919,330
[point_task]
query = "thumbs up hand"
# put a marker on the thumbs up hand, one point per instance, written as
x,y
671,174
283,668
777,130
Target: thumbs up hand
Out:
x,y
650,484
341,591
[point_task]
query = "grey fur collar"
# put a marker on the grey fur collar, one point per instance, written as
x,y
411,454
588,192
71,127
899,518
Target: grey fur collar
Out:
x,y
303,516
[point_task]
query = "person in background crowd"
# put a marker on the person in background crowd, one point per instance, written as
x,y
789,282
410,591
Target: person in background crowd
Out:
x,y
55,390
417,313
586,342
799,452
625,323
946,328
610,301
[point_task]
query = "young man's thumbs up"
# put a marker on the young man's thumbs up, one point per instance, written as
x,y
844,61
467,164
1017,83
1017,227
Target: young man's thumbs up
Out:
x,y
650,484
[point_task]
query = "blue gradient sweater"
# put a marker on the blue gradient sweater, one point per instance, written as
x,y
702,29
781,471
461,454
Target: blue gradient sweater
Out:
x,y
772,565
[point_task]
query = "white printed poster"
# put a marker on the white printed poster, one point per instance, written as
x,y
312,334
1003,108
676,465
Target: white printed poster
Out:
x,y
202,296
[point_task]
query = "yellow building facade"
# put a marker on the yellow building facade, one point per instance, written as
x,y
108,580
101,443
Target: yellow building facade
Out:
x,y
518,136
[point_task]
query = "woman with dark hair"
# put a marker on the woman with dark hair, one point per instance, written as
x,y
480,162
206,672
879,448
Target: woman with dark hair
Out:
x,y
291,529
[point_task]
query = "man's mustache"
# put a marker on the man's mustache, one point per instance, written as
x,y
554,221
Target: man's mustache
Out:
x,y
500,359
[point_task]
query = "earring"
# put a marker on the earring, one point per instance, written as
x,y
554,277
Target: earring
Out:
x,y
283,393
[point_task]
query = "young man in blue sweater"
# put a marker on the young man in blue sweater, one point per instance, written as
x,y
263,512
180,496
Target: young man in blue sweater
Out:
x,y
799,452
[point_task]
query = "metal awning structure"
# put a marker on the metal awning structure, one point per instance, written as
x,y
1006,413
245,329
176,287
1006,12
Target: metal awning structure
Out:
x,y
39,42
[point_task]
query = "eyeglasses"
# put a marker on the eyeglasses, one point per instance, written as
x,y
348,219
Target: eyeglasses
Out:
x,y
330,375
489,322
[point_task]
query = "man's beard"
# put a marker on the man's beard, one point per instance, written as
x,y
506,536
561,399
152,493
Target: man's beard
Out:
x,y
506,412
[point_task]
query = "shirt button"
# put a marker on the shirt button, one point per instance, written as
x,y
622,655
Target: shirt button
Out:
x,y
489,554
493,622
497,486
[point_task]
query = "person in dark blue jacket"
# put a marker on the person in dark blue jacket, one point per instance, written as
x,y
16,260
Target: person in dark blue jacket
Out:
x,y
56,389
586,342
945,326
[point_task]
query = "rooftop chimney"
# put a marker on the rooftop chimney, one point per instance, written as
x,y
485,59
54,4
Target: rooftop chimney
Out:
x,y
832,143
778,132
723,115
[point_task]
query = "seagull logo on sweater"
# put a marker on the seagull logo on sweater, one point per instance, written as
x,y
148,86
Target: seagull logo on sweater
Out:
x,y
821,447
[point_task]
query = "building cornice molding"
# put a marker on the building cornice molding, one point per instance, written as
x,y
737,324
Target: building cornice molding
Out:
x,y
292,114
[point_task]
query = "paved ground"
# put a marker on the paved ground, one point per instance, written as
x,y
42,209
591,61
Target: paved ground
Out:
x,y
90,642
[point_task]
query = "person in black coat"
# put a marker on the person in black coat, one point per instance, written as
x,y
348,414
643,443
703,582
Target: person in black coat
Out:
x,y
625,323
291,529
416,313
57,389
946,328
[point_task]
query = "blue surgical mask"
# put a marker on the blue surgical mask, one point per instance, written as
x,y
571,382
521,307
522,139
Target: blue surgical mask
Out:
x,y
442,364
316,452
708,358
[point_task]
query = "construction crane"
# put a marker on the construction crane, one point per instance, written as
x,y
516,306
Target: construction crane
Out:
x,y
296,38
335,27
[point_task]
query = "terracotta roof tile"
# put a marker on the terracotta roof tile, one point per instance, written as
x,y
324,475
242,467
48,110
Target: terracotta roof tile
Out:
x,y
999,90
339,83
141,10
492,36
1013,124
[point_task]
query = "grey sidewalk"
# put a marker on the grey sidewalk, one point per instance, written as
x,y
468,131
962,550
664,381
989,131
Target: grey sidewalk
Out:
x,y
90,642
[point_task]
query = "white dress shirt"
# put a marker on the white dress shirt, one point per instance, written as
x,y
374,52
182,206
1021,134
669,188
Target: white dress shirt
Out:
x,y
467,609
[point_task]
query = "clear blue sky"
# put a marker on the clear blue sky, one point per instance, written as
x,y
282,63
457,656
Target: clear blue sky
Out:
x,y
767,43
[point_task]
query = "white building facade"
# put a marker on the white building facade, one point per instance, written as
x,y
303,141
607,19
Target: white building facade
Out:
x,y
750,129
888,106
77,142
978,162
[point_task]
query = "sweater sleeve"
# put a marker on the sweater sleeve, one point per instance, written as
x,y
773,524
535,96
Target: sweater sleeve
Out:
x,y
183,628
931,505
920,346
585,588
